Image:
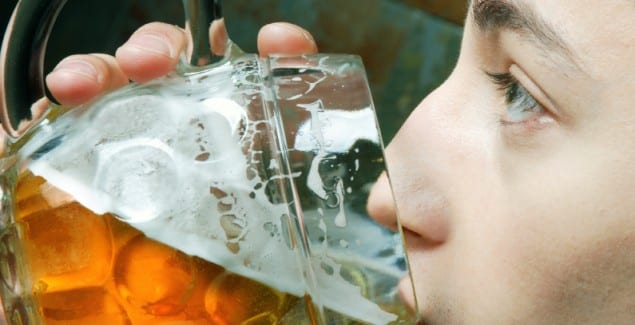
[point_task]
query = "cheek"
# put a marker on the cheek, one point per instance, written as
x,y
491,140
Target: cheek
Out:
x,y
570,223
446,135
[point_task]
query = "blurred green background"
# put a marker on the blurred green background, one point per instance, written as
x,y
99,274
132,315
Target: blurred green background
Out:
x,y
408,46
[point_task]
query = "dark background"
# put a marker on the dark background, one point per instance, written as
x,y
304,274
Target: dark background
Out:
x,y
408,46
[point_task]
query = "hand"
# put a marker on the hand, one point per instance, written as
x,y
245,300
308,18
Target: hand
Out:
x,y
151,52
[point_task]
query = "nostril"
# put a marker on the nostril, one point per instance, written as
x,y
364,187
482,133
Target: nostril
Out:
x,y
427,214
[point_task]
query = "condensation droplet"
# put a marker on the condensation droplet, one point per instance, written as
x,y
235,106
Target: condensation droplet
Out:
x,y
271,229
340,219
327,268
322,225
332,200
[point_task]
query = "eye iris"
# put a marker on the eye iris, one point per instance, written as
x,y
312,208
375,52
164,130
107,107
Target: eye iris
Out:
x,y
511,93
521,106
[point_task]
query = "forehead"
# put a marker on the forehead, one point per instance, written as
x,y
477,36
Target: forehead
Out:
x,y
592,30
571,13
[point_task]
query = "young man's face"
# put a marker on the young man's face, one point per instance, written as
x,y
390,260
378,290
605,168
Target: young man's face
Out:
x,y
515,180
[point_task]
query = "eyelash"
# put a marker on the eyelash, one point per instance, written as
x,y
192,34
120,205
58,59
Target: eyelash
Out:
x,y
517,98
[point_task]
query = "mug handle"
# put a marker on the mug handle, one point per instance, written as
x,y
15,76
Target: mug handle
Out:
x,y
24,46
22,59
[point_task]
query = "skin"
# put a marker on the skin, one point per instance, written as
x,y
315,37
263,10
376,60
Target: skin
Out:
x,y
509,218
152,51
530,222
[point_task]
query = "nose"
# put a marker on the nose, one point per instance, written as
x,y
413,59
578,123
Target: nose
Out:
x,y
381,204
424,215
419,164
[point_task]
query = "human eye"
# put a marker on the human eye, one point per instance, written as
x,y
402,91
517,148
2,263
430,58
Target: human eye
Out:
x,y
521,106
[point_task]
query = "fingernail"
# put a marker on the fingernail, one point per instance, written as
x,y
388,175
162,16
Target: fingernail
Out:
x,y
308,37
77,67
300,30
152,43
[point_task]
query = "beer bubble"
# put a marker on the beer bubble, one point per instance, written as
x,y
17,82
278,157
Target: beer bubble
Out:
x,y
67,247
231,299
154,277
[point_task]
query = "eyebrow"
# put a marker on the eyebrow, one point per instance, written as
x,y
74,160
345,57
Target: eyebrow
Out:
x,y
495,15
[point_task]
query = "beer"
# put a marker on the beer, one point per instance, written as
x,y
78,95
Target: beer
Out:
x,y
85,268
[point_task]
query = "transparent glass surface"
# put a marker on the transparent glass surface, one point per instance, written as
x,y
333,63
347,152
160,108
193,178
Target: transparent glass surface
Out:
x,y
228,194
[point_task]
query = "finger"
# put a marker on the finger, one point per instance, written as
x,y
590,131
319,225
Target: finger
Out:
x,y
218,37
79,78
37,109
285,38
152,51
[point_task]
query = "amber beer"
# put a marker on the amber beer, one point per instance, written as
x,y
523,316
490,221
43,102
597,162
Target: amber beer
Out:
x,y
85,268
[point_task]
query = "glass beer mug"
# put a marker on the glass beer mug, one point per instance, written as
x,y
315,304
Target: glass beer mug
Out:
x,y
232,191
